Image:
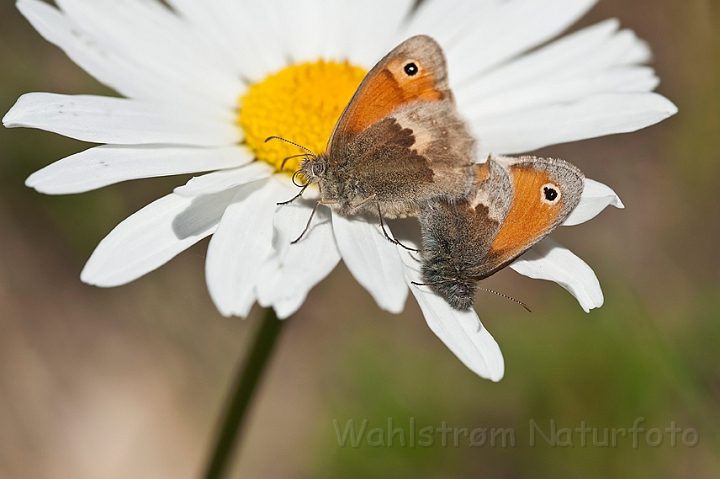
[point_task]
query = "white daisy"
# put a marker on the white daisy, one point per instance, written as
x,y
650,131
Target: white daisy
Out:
x,y
203,82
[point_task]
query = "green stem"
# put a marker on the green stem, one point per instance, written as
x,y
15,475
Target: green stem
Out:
x,y
246,384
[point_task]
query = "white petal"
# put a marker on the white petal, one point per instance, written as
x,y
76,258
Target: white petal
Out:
x,y
225,179
335,45
101,62
309,17
262,32
105,165
120,121
591,117
512,28
288,275
551,261
589,62
559,91
241,244
372,27
623,48
580,55
448,21
461,331
342,29
372,260
245,33
152,236
158,41
595,198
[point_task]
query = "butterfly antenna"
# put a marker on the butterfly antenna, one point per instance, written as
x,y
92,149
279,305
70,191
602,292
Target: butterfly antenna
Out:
x,y
282,165
292,143
507,297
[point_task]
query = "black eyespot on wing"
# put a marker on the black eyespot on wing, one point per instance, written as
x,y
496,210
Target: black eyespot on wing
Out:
x,y
550,193
411,69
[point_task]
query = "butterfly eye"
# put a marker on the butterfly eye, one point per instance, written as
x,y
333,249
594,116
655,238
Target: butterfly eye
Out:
x,y
411,69
549,194
318,168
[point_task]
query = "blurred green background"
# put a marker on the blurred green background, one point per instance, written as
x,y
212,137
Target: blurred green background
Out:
x,y
128,382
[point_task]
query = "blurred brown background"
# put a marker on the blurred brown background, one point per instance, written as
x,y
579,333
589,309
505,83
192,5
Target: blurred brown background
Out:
x,y
128,382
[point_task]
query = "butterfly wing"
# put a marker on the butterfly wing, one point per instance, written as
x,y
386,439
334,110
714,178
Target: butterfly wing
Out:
x,y
458,234
401,137
393,84
544,191
515,203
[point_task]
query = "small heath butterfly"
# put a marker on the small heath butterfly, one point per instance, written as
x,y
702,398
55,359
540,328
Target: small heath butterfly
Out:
x,y
399,141
513,204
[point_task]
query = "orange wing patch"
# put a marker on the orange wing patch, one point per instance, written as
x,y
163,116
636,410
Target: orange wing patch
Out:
x,y
389,93
413,72
531,215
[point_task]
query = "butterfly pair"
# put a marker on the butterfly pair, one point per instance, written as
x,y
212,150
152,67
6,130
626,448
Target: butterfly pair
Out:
x,y
401,149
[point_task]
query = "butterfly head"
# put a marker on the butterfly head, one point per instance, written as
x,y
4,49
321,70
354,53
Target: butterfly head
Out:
x,y
314,168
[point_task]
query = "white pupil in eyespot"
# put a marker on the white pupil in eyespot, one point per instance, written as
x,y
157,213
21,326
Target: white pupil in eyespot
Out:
x,y
549,193
411,69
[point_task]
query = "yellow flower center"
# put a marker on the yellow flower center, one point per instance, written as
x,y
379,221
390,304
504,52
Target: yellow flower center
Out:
x,y
300,103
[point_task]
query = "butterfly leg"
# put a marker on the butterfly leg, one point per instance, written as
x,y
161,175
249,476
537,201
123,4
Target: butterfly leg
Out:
x,y
307,226
358,204
391,239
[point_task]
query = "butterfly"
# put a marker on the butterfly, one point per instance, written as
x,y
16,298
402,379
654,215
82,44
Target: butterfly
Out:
x,y
399,141
513,204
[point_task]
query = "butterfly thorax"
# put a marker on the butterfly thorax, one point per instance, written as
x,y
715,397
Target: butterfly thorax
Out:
x,y
376,184
387,167
351,192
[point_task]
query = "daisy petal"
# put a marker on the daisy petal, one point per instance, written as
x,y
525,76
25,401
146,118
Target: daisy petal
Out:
x,y
223,180
558,91
308,15
591,117
152,236
447,20
461,331
239,32
372,260
158,41
551,261
287,276
119,71
100,119
514,27
595,198
581,55
372,27
107,164
241,244
101,62
336,41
